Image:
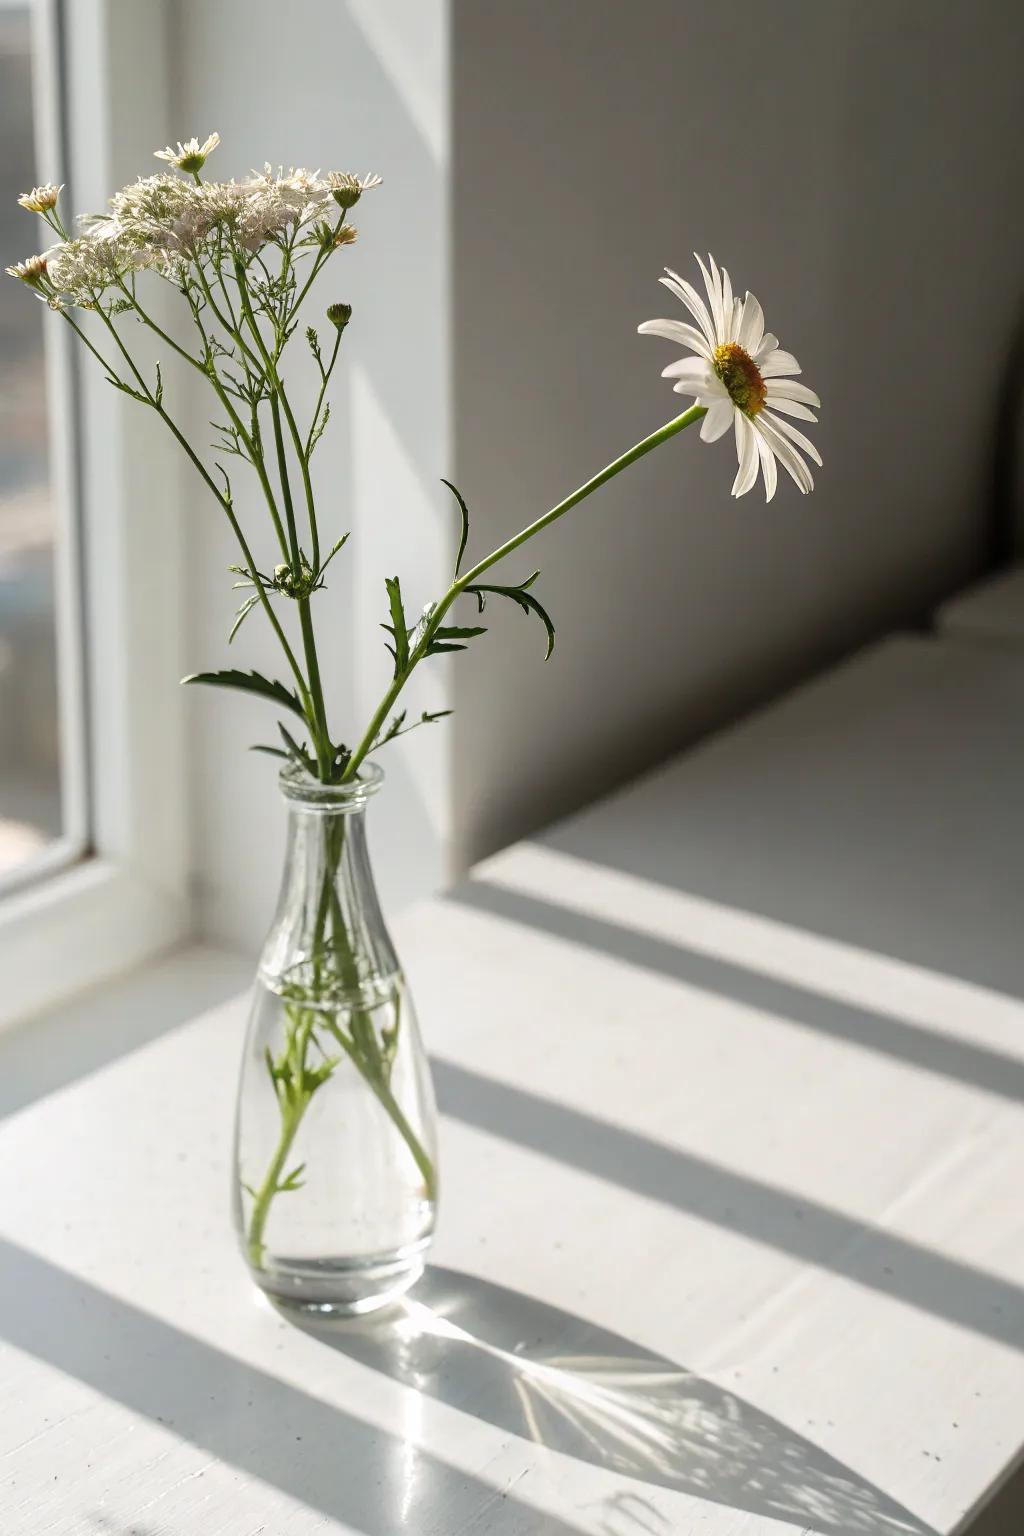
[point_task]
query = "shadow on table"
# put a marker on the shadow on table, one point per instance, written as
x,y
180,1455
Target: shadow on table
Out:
x,y
553,1378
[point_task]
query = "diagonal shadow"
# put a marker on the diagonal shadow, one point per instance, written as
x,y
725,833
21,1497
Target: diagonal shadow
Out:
x,y
80,1037
815,1233
554,1378
943,1055
366,1478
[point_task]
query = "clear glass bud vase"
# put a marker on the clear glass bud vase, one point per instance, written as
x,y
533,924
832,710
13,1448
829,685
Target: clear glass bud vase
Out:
x,y
335,1139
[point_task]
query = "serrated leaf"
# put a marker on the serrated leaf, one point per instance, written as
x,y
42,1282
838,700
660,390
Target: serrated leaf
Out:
x,y
297,753
339,544
126,389
399,728
250,682
318,430
397,626
270,751
459,631
435,649
243,613
525,600
465,521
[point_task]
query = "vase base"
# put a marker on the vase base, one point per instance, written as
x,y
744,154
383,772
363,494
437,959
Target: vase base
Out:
x,y
337,1289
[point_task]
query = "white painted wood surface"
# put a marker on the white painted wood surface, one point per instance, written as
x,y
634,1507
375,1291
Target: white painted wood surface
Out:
x,y
732,1238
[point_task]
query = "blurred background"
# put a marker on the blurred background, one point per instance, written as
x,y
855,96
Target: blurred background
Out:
x,y
30,802
858,167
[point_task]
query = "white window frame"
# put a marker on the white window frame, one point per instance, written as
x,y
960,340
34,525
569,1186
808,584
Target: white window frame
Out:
x,y
116,485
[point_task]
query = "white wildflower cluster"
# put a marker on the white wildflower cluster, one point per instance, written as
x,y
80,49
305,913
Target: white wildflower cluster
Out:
x,y
169,222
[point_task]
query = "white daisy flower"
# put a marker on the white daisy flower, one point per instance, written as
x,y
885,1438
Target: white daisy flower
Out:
x,y
190,156
31,271
41,199
348,189
742,377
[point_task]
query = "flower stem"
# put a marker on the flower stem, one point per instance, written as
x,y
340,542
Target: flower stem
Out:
x,y
291,1119
468,577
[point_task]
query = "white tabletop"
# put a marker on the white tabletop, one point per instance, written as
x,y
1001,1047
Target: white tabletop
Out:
x,y
732,1239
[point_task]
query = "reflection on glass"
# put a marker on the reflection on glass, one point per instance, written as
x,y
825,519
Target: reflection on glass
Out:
x,y
30,804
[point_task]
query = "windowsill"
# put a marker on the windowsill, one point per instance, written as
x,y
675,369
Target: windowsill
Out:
x,y
731,1227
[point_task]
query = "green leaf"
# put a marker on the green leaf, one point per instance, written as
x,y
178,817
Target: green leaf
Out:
x,y
397,627
299,754
250,682
318,431
459,632
243,613
524,598
333,551
270,751
293,1180
127,390
399,728
465,522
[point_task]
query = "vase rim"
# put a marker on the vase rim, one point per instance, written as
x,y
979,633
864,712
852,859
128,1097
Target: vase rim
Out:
x,y
300,788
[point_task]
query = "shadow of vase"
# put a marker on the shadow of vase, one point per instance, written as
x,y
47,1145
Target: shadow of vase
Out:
x,y
548,1376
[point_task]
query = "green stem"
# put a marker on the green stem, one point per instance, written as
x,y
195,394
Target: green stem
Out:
x,y
290,1122
303,458
224,502
323,390
286,490
460,584
255,457
408,1135
386,1098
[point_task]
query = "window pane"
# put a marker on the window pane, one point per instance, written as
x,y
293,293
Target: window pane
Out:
x,y
30,773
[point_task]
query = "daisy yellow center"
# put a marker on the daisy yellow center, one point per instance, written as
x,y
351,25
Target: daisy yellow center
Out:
x,y
741,377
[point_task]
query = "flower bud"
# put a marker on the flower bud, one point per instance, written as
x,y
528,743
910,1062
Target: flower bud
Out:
x,y
339,315
346,235
345,189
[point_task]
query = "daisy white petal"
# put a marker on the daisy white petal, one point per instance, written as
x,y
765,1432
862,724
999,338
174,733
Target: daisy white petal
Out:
x,y
688,295
688,368
751,326
795,435
789,389
768,466
786,455
677,330
778,363
791,407
737,317
41,199
190,156
746,450
713,284
728,308
741,375
717,421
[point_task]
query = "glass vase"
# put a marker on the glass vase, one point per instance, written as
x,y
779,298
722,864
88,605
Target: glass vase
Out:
x,y
335,1141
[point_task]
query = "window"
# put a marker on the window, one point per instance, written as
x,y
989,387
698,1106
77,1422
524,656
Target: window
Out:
x,y
93,823
41,757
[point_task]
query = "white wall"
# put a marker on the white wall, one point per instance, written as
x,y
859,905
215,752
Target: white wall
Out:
x,y
858,167
355,86
853,164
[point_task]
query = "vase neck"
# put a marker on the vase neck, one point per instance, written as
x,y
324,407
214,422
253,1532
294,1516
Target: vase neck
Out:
x,y
328,939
